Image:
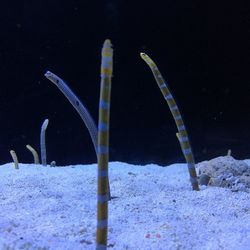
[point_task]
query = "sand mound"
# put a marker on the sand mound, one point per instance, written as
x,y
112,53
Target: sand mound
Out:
x,y
225,171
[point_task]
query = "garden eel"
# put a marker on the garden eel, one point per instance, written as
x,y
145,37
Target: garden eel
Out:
x,y
77,104
182,133
34,153
43,143
14,157
103,146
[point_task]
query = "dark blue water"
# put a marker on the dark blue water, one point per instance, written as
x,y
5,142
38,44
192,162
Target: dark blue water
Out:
x,y
201,49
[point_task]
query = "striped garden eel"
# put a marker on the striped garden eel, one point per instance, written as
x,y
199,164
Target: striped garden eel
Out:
x,y
103,146
182,133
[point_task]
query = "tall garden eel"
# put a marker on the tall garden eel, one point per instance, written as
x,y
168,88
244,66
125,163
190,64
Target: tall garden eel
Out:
x,y
103,146
77,104
100,137
182,133
80,108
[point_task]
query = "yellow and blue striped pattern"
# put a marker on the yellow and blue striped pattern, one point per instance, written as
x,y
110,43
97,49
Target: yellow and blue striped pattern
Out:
x,y
103,146
182,133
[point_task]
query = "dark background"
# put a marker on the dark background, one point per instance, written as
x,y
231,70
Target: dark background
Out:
x,y
201,48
